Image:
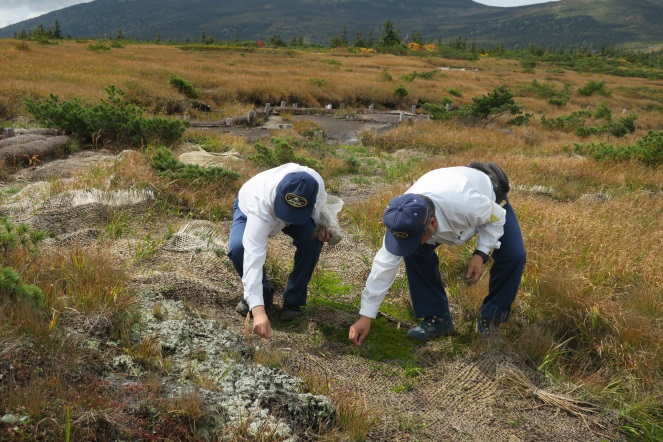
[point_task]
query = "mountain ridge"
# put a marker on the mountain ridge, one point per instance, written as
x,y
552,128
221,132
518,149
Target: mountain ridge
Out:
x,y
566,23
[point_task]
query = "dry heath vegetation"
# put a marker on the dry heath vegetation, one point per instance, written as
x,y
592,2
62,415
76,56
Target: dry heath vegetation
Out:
x,y
590,308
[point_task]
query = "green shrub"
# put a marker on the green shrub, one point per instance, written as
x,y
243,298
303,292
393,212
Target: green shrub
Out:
x,y
400,91
11,237
166,165
282,152
619,129
317,82
568,123
603,111
494,104
115,119
183,86
455,92
559,101
594,86
409,77
647,150
488,107
438,111
414,74
98,47
546,90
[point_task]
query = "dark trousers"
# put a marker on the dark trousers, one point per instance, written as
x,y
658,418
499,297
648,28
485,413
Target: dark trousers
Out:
x,y
307,254
427,289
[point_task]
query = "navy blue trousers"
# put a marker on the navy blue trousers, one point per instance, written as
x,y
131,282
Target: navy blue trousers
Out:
x,y
427,289
307,254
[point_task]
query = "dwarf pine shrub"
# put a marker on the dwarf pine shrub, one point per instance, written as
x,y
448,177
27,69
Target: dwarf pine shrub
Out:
x,y
647,150
603,111
619,129
114,119
282,152
592,87
488,107
11,237
494,104
568,123
184,87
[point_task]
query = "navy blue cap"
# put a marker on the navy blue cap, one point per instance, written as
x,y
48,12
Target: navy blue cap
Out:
x,y
406,219
295,197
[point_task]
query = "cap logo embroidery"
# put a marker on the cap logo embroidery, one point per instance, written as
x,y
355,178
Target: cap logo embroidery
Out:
x,y
296,201
399,235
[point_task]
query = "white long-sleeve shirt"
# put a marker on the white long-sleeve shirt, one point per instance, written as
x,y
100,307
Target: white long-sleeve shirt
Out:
x,y
256,201
464,207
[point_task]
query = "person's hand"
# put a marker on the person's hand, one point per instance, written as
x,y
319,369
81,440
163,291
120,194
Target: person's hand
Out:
x,y
474,269
324,234
360,329
261,326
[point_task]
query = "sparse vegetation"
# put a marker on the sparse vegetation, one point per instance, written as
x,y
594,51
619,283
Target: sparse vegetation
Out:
x,y
166,165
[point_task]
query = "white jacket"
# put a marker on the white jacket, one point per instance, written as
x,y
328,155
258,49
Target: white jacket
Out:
x,y
256,201
464,207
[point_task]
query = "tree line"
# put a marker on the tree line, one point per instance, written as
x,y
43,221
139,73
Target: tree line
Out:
x,y
606,59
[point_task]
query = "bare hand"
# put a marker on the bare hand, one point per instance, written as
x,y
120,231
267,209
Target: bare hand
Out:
x,y
474,269
261,326
324,234
359,330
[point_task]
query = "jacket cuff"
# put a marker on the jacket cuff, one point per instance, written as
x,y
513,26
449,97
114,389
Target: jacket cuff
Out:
x,y
369,311
483,255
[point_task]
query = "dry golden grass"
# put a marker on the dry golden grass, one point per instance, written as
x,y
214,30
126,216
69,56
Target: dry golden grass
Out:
x,y
353,416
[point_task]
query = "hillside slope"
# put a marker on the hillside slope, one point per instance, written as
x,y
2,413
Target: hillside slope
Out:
x,y
567,23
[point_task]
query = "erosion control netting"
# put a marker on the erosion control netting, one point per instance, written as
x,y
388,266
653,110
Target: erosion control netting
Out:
x,y
187,277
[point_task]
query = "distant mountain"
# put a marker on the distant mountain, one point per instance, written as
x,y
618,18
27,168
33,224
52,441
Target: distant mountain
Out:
x,y
567,23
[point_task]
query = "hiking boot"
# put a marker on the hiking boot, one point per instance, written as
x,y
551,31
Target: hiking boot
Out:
x,y
487,328
431,327
291,312
243,308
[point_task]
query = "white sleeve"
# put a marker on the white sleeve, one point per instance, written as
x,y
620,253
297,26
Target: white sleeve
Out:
x,y
255,252
382,276
491,229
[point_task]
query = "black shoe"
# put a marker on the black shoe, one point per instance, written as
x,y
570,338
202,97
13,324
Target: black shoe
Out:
x,y
291,312
242,308
431,327
487,328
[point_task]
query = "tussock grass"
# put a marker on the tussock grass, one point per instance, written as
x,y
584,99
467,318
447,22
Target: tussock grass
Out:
x,y
354,417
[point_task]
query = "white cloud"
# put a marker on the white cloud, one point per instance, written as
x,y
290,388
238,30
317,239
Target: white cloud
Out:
x,y
506,3
14,11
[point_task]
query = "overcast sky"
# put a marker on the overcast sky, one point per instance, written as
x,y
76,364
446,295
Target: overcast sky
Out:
x,y
14,11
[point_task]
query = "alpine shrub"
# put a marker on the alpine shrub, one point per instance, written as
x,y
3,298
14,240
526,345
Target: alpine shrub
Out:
x,y
283,152
11,237
647,150
114,119
619,129
494,104
183,86
594,86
